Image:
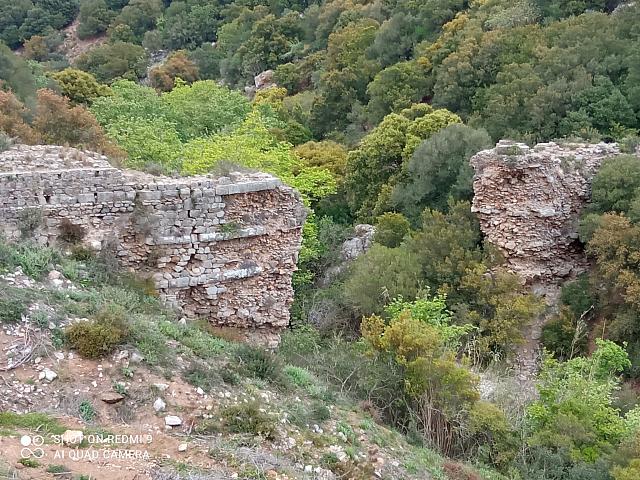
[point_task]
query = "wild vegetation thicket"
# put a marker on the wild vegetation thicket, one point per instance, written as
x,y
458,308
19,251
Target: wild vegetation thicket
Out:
x,y
378,107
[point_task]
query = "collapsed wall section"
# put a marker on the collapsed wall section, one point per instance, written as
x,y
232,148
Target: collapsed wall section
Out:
x,y
223,248
528,202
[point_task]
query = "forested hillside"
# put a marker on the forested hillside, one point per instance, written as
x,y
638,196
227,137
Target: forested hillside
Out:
x,y
372,109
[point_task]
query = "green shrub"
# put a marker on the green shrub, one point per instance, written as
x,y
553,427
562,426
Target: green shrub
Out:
x,y
298,376
303,414
248,418
57,469
391,228
230,377
87,411
260,363
12,310
34,260
99,336
200,375
29,462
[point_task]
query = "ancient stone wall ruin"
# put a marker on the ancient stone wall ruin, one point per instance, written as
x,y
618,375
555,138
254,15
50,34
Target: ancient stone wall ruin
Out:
x,y
223,248
529,200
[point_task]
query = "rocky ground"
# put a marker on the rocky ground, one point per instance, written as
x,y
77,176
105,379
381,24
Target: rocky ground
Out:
x,y
141,416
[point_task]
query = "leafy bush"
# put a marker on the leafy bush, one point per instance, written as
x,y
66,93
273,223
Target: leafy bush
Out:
x,y
202,376
379,275
439,391
298,376
101,335
304,414
260,363
12,310
34,260
114,60
87,411
79,86
391,228
249,418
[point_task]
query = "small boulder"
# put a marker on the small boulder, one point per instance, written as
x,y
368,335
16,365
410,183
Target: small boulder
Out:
x,y
182,447
111,397
172,421
159,405
48,375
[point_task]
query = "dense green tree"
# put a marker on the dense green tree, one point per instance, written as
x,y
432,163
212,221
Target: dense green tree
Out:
x,y
79,86
439,169
114,60
95,17
205,107
379,276
326,154
15,75
141,16
391,229
190,23
616,185
395,88
379,157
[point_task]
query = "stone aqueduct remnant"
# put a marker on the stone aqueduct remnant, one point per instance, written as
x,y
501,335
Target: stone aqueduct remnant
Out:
x,y
223,248
528,202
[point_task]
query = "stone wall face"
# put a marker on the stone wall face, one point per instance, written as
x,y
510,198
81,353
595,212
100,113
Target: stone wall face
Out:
x,y
222,248
528,202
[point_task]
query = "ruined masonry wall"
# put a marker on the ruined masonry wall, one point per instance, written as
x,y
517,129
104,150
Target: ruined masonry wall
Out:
x,y
529,200
223,248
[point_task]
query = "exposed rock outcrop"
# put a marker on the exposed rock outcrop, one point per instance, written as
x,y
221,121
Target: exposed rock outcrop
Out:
x,y
529,200
223,248
351,249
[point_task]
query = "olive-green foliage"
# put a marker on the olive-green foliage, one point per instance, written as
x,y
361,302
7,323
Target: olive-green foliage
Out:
x,y
79,86
139,16
94,18
29,219
616,185
305,414
565,335
391,228
34,260
23,19
326,154
16,75
439,170
100,335
202,376
380,275
260,363
11,309
111,61
248,418
446,246
396,87
371,167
